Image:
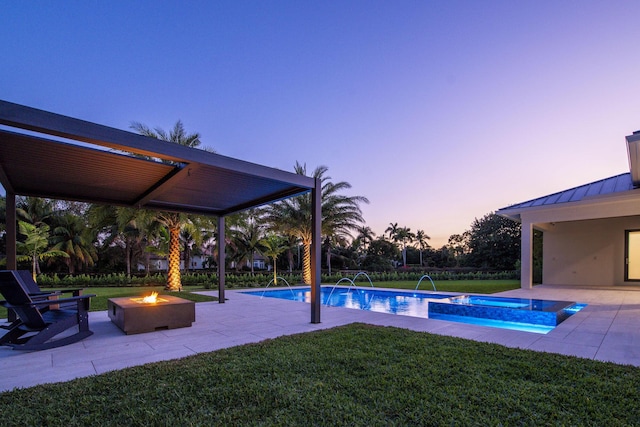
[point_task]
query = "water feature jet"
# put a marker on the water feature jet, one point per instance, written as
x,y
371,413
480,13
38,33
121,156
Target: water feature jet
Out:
x,y
428,277
272,280
352,282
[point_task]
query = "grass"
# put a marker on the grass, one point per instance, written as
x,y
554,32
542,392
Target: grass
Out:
x,y
99,302
473,286
356,375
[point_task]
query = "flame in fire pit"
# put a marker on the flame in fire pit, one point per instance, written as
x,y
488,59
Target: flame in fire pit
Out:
x,y
151,299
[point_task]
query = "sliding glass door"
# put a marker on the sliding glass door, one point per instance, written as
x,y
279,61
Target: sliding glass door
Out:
x,y
632,255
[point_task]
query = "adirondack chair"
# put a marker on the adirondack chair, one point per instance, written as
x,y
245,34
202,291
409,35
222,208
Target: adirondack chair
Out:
x,y
41,319
25,277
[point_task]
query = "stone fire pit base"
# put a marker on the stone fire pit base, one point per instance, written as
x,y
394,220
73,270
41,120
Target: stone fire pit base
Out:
x,y
135,317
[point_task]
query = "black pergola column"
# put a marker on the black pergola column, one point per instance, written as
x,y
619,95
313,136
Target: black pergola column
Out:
x,y
221,259
316,271
11,230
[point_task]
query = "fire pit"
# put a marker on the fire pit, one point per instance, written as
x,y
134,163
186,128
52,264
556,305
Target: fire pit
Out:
x,y
152,313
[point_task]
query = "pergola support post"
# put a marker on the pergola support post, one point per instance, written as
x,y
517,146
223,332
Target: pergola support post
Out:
x,y
316,230
11,231
526,255
221,259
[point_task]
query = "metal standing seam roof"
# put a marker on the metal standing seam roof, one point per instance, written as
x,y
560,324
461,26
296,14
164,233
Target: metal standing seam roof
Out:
x,y
187,180
614,184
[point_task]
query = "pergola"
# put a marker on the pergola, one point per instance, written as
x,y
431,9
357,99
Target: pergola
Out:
x,y
44,154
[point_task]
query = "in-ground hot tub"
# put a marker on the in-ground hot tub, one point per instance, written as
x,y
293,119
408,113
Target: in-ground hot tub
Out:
x,y
134,316
531,311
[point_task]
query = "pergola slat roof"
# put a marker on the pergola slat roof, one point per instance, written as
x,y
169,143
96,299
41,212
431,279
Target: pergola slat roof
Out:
x,y
44,154
189,180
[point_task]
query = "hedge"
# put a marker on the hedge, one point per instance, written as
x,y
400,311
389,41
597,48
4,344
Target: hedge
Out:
x,y
233,280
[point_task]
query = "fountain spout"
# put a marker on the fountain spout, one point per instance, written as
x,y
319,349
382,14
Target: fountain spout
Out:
x,y
352,282
271,281
428,277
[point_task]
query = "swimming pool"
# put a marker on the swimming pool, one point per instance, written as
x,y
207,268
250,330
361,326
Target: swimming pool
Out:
x,y
531,315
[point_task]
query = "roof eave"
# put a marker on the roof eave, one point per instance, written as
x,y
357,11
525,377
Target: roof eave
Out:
x,y
626,199
633,153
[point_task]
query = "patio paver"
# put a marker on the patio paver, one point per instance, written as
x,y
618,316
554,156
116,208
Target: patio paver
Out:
x,y
606,330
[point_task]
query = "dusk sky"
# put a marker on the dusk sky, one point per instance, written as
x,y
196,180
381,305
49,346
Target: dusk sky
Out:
x,y
438,112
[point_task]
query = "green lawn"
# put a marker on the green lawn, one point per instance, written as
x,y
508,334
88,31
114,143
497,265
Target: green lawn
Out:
x,y
474,286
355,375
99,302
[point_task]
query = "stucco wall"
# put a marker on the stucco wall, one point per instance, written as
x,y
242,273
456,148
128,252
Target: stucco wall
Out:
x,y
587,252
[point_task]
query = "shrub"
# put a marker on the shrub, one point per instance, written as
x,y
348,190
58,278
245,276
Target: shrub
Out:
x,y
247,280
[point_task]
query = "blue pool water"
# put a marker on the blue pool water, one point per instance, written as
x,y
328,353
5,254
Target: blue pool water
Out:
x,y
531,315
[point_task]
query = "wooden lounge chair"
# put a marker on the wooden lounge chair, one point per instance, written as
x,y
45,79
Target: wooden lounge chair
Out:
x,y
39,319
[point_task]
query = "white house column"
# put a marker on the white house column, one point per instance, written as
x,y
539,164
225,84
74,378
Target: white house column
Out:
x,y
526,255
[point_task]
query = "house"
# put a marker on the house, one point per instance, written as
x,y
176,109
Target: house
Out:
x,y
259,262
200,262
591,233
158,263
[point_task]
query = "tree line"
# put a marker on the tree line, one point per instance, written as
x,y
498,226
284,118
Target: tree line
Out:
x,y
72,237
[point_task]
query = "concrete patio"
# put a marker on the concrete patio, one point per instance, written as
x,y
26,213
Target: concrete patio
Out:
x,y
606,330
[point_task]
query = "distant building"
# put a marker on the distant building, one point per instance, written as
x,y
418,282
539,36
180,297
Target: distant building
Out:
x,y
198,262
157,263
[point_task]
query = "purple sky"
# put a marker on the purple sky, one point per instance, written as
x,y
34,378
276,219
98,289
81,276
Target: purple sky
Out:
x,y
438,111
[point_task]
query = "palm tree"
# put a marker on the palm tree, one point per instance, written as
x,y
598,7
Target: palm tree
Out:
x,y
35,211
173,221
159,242
404,235
123,227
178,134
272,246
365,235
331,240
392,229
340,214
362,241
35,245
292,243
247,234
193,235
72,235
421,239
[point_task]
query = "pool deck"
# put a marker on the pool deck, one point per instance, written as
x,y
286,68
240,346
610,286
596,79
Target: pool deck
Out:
x,y
606,330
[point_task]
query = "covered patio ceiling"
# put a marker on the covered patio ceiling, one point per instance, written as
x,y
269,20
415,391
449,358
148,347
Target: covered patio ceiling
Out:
x,y
43,154
101,169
